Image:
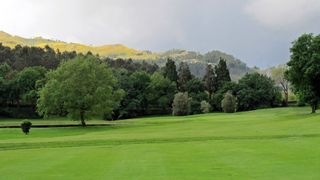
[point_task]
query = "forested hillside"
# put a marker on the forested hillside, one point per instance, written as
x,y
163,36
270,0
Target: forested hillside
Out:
x,y
195,60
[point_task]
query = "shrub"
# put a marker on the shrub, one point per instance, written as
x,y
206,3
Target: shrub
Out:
x,y
229,103
217,97
205,107
25,126
181,104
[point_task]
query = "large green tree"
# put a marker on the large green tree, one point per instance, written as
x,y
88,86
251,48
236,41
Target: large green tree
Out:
x,y
304,68
80,87
256,90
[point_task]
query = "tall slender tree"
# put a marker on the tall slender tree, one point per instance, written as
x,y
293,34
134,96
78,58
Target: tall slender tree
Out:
x,y
170,70
222,72
210,81
184,75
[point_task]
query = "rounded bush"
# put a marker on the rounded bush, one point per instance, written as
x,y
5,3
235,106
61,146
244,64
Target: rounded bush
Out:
x,y
181,104
205,107
229,103
25,126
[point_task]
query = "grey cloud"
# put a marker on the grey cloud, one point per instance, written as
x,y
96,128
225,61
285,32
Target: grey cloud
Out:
x,y
233,26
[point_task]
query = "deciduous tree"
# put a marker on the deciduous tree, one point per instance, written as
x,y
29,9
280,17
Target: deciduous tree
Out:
x,y
304,68
278,75
81,86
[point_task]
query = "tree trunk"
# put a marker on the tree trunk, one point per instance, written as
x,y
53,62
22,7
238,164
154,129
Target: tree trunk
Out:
x,y
313,107
18,103
210,96
83,123
286,99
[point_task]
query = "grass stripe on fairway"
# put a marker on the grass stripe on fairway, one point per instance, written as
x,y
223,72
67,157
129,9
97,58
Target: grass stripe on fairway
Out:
x,y
60,144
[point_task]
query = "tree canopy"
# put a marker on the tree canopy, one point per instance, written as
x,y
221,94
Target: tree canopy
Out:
x,y
304,66
81,87
256,90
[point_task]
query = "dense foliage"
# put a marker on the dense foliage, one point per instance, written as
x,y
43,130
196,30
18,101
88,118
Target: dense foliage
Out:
x,y
304,69
79,87
256,90
87,85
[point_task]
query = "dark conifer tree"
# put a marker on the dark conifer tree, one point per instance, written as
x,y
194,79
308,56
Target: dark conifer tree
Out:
x,y
184,75
170,70
222,73
210,81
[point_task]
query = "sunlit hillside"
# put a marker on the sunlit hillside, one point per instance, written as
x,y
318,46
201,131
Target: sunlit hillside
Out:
x,y
115,50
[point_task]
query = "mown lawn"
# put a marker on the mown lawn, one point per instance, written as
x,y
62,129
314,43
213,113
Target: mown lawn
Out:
x,y
281,143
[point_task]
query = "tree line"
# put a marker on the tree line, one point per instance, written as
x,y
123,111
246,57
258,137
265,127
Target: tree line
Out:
x,y
49,82
146,89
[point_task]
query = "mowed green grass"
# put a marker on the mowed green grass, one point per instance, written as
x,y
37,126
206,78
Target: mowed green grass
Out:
x,y
281,143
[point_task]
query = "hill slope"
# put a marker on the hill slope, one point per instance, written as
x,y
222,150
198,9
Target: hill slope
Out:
x,y
115,50
197,61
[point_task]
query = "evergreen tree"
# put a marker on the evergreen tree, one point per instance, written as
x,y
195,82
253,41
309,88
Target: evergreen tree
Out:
x,y
170,70
210,81
222,73
184,75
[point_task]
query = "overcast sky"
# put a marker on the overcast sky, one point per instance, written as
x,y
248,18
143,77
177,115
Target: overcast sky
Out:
x,y
259,32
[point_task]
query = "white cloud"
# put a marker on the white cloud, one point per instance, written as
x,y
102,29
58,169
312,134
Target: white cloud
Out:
x,y
283,14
